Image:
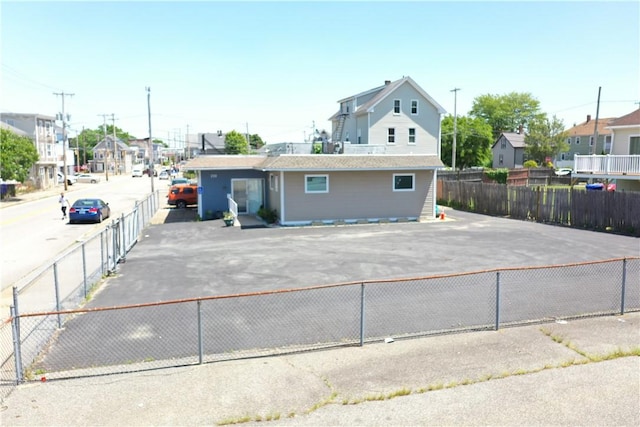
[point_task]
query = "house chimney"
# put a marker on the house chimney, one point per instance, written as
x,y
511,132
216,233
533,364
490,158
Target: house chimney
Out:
x,y
588,118
520,130
387,82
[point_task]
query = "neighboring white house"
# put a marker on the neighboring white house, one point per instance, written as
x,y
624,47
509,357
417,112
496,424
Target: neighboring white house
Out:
x,y
623,164
41,130
398,117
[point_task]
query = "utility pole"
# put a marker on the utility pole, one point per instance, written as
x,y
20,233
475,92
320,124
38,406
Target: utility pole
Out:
x,y
248,140
455,126
106,142
592,148
185,152
84,148
62,116
150,140
116,152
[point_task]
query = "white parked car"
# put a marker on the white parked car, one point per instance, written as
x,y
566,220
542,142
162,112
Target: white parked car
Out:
x,y
71,179
563,172
87,177
163,175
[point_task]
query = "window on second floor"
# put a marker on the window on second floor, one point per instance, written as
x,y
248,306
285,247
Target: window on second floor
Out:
x,y
391,136
359,136
412,135
396,106
414,106
634,145
569,141
577,140
591,141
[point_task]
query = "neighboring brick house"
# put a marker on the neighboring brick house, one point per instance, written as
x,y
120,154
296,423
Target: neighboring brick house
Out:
x,y
508,150
41,130
580,139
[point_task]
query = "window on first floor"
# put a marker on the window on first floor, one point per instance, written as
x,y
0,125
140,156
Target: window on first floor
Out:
x,y
391,136
273,182
501,159
359,136
316,183
412,135
403,182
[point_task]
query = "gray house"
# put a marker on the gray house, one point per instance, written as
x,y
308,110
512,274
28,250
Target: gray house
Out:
x,y
508,150
41,130
398,117
320,188
113,153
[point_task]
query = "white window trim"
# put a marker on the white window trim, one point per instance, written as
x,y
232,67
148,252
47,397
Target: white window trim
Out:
x,y
415,137
413,182
273,182
306,189
417,107
577,140
399,107
394,136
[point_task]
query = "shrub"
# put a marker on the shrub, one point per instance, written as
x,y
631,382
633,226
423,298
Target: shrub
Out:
x,y
530,164
497,175
269,215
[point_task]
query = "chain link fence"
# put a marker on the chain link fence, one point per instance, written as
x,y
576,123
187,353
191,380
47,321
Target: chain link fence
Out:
x,y
108,340
65,284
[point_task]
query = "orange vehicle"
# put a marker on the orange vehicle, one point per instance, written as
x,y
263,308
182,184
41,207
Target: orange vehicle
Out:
x,y
182,195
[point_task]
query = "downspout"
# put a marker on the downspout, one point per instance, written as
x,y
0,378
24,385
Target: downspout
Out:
x,y
282,210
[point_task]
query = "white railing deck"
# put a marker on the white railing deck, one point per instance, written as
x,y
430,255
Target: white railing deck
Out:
x,y
607,164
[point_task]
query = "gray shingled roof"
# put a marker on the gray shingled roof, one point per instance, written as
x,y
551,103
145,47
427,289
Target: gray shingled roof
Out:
x,y
515,139
317,162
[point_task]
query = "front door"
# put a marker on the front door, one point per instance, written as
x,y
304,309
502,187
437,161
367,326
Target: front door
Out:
x,y
248,194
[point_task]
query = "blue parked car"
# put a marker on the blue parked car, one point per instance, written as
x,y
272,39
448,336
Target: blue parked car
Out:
x,y
89,210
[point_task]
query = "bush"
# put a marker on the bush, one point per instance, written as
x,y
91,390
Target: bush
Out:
x,y
497,175
269,215
530,164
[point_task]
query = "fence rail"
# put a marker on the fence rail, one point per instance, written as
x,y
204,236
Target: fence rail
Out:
x,y
107,340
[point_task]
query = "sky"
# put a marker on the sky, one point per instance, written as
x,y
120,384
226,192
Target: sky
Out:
x,y
278,68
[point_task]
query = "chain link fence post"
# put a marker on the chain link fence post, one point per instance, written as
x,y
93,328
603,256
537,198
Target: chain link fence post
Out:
x,y
361,314
57,289
15,331
200,344
624,284
84,269
497,325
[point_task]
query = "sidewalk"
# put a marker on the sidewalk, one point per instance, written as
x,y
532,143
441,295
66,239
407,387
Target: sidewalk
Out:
x,y
582,372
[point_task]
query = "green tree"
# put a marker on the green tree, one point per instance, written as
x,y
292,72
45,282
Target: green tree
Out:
x,y
256,141
235,143
545,138
473,142
17,156
506,113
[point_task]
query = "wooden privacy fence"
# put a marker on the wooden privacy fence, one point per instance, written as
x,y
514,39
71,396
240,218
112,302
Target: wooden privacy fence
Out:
x,y
597,210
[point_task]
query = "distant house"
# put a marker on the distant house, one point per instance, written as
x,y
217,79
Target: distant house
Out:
x,y
114,154
580,139
623,162
398,117
508,150
41,130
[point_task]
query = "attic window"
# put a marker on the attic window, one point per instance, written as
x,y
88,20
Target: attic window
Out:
x,y
396,106
414,107
503,144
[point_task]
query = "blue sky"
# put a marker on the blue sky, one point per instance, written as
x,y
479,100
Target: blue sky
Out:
x,y
278,67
